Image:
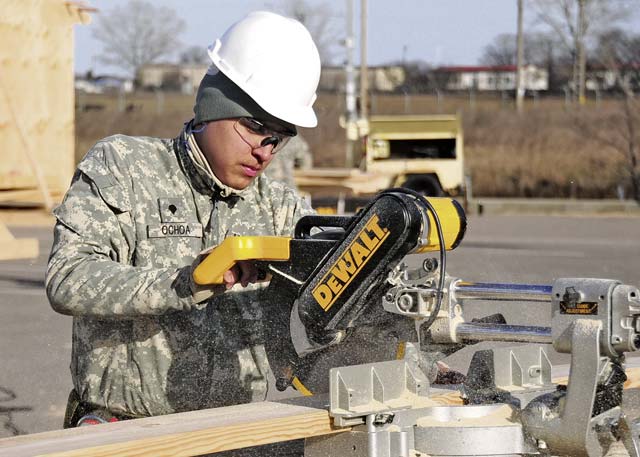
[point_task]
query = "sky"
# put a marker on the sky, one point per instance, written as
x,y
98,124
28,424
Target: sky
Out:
x,y
440,32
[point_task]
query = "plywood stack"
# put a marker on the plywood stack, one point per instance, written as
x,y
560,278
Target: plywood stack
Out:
x,y
36,102
37,97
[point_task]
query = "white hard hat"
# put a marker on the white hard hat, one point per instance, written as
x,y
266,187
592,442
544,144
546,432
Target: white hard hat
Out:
x,y
274,60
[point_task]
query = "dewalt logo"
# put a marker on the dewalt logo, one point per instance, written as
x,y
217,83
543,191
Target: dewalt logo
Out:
x,y
347,267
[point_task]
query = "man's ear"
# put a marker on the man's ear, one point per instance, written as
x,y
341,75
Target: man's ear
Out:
x,y
198,128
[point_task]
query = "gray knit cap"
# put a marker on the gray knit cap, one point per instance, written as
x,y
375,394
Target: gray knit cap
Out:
x,y
220,98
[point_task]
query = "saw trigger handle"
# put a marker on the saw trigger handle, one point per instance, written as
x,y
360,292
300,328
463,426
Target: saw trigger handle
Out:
x,y
233,249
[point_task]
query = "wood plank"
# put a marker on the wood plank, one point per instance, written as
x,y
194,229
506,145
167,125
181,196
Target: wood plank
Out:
x,y
340,179
560,373
12,248
31,196
633,378
184,434
43,144
19,217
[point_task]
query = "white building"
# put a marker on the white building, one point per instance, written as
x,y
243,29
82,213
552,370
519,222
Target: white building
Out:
x,y
187,77
183,77
385,78
491,78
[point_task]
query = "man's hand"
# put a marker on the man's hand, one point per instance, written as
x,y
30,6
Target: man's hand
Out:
x,y
243,272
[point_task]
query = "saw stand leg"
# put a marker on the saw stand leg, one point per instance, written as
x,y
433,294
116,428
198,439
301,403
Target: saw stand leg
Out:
x,y
570,430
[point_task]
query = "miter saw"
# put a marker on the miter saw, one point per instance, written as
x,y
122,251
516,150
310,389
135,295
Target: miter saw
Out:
x,y
342,279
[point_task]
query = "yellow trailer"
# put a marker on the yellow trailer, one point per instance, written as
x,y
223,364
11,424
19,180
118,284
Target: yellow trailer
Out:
x,y
423,153
419,152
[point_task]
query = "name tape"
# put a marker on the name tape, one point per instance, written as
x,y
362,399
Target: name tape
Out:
x,y
193,229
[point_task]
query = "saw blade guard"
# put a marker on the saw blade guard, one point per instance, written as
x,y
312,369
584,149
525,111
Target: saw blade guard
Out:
x,y
353,274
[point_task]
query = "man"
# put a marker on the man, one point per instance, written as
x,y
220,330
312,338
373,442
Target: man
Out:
x,y
146,340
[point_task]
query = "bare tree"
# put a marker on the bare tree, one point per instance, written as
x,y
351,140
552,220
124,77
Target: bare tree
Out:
x,y
195,55
138,33
520,58
538,49
632,141
616,131
574,23
619,54
323,24
418,77
501,50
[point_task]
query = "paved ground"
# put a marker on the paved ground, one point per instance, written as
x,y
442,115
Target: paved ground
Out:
x,y
35,346
35,342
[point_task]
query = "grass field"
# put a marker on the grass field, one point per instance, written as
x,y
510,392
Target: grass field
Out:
x,y
550,150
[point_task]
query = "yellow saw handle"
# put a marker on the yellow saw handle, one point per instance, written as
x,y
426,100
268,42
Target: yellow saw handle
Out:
x,y
453,222
235,248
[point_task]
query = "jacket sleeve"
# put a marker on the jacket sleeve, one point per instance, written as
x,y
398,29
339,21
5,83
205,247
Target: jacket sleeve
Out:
x,y
288,207
89,272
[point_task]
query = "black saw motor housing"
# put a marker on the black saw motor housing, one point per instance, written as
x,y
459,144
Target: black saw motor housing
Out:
x,y
353,274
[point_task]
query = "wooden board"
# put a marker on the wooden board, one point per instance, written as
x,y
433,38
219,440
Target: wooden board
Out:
x,y
18,217
184,434
633,378
37,93
632,382
12,248
28,196
333,180
560,373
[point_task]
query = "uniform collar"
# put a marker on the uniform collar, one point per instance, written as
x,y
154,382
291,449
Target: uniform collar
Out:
x,y
198,168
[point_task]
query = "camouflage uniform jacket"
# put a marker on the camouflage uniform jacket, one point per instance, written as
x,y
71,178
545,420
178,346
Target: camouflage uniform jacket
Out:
x,y
139,210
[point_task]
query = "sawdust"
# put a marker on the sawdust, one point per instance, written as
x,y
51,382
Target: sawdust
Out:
x,y
404,401
500,417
